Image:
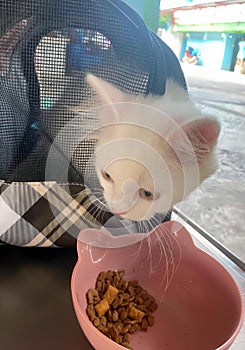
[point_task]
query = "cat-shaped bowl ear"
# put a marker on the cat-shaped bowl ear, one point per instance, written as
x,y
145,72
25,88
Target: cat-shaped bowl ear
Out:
x,y
194,292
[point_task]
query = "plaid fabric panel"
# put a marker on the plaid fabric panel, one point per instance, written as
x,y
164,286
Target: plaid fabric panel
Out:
x,y
46,213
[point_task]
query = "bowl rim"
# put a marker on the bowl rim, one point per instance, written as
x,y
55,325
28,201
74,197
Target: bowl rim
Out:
x,y
85,318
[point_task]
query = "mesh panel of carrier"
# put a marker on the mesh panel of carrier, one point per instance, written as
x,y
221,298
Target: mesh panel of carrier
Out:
x,y
46,49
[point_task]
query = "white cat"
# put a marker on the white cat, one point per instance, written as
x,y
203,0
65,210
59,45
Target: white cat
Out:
x,y
152,151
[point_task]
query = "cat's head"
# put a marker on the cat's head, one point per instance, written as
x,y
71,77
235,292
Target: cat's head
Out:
x,y
148,159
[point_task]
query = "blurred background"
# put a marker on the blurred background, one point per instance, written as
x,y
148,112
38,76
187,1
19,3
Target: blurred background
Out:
x,y
203,32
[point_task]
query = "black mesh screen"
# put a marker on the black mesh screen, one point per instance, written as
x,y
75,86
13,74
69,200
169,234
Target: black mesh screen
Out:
x,y
46,49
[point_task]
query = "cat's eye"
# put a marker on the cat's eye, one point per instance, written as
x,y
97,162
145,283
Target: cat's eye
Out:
x,y
146,194
106,176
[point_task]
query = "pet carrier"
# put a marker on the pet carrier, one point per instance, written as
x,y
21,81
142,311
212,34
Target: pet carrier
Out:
x,y
46,47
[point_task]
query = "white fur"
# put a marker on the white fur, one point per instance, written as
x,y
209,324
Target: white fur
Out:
x,y
161,144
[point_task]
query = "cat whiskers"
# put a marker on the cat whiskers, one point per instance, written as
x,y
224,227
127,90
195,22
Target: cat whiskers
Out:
x,y
141,232
96,197
101,211
174,250
162,253
144,227
168,249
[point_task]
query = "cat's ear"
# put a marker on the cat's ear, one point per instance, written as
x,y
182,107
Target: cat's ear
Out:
x,y
200,137
107,92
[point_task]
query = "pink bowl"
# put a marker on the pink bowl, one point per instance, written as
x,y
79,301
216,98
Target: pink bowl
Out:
x,y
200,305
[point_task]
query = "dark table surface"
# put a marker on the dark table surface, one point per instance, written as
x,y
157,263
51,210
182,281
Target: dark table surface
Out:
x,y
36,310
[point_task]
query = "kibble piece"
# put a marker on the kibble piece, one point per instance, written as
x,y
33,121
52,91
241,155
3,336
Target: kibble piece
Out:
x,y
126,338
133,328
115,316
123,313
116,279
142,307
138,289
102,307
103,329
119,308
96,322
144,325
103,321
121,273
110,294
147,303
101,276
150,320
130,321
125,285
113,331
109,325
133,283
93,296
140,300
131,290
91,312
153,307
119,327
99,286
116,302
126,345
109,315
125,296
136,313
120,339
109,275
125,329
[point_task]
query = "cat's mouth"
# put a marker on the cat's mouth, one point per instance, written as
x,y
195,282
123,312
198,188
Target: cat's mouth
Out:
x,y
121,213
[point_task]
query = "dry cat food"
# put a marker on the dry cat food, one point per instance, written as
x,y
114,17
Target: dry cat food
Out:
x,y
119,308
